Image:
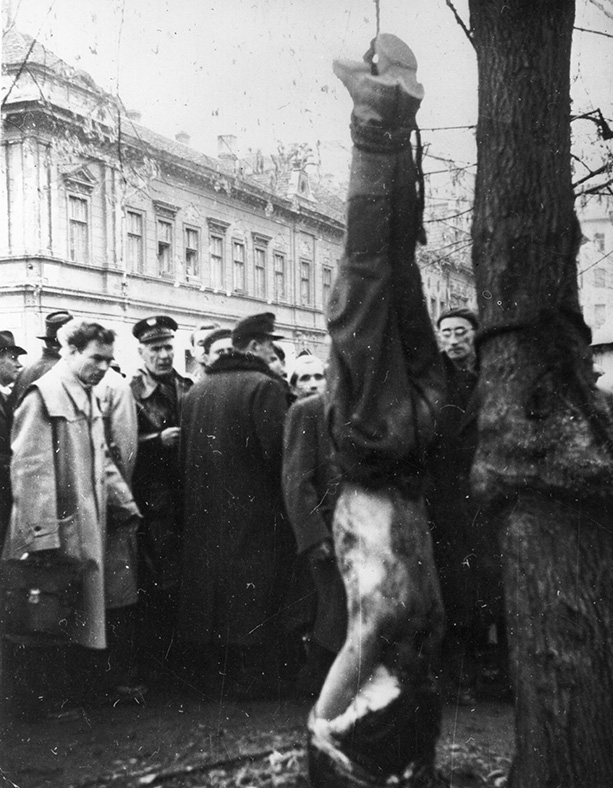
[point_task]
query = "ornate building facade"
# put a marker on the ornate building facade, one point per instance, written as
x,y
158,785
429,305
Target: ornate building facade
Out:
x,y
104,217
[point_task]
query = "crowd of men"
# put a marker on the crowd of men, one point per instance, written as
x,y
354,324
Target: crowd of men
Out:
x,y
199,513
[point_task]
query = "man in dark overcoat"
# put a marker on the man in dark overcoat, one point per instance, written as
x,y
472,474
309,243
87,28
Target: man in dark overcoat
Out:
x,y
10,367
238,545
310,489
465,542
159,391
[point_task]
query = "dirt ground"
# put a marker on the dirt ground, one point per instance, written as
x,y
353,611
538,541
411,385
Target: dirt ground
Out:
x,y
179,737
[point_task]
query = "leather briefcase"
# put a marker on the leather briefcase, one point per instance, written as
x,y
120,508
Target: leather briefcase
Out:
x,y
38,597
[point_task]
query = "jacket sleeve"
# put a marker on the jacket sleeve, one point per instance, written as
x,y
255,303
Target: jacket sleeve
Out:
x,y
269,407
300,459
34,523
123,427
120,501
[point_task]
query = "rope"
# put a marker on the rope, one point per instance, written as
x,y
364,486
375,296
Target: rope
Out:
x,y
378,18
544,317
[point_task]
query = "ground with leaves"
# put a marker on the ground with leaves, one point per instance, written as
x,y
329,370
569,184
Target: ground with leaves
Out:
x,y
177,738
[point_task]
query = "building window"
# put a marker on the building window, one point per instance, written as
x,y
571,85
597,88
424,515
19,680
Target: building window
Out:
x,y
600,277
192,252
305,283
164,248
327,284
260,272
600,314
78,229
135,246
238,257
216,255
280,286
599,242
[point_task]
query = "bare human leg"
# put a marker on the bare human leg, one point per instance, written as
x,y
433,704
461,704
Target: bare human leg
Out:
x,y
377,718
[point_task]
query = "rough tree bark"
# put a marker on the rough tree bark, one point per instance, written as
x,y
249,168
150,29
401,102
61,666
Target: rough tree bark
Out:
x,y
545,458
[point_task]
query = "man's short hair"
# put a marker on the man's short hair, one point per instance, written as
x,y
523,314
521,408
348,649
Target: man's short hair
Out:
x,y
218,333
78,333
459,311
304,364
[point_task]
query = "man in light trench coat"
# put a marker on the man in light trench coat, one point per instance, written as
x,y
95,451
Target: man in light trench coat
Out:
x,y
63,478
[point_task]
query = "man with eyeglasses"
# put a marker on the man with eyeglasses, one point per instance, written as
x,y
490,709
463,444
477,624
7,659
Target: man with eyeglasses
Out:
x,y
456,329
465,549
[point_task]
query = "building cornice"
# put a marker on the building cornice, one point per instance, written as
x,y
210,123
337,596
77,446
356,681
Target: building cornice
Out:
x,y
41,120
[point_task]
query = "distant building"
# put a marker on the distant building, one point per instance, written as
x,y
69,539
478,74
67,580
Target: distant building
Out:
x,y
104,217
445,262
595,263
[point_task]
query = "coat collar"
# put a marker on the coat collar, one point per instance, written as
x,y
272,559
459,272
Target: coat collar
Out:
x,y
144,384
69,383
240,362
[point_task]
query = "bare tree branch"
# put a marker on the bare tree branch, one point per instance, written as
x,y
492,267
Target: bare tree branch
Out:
x,y
460,21
602,7
591,174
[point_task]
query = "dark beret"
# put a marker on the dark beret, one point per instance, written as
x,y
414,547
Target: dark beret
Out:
x,y
218,333
460,311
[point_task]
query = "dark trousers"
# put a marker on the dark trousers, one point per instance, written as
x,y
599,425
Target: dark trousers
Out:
x,y
386,386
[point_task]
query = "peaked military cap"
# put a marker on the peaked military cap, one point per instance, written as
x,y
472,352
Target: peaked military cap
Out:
x,y
150,329
53,322
7,342
262,325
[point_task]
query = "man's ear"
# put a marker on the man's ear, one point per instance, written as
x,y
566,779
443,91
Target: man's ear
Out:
x,y
252,347
140,351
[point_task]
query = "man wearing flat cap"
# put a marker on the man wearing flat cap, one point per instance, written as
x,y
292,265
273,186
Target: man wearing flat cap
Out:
x,y
159,392
10,367
49,357
238,546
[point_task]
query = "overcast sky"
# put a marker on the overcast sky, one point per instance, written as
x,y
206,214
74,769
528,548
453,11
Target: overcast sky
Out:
x,y
262,69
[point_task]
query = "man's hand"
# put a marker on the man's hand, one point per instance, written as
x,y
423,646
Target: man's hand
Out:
x,y
170,437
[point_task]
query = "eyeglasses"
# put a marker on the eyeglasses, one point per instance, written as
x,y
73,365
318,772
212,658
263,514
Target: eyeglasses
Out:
x,y
456,332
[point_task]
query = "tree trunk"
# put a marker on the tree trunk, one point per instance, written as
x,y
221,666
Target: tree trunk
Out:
x,y
545,454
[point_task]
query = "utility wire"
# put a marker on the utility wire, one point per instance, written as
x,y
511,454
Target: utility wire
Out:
x,y
600,259
594,32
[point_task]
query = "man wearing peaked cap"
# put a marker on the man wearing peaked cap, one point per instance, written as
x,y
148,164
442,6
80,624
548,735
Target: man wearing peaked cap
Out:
x,y
153,328
48,359
237,545
255,334
159,391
